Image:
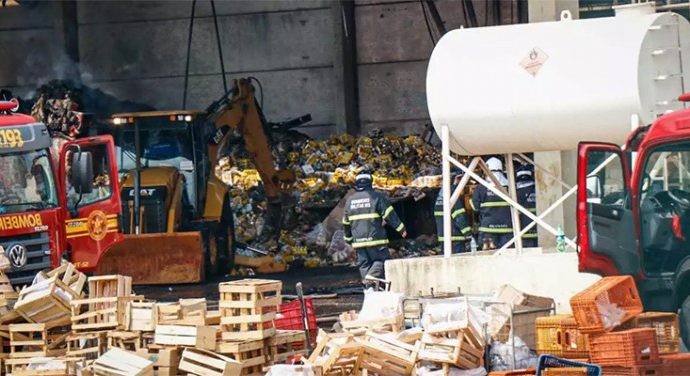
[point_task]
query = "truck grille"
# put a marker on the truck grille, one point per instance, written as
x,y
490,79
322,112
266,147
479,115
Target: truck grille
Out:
x,y
38,256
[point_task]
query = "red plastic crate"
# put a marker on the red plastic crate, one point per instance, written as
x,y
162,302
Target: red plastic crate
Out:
x,y
649,370
629,348
620,290
289,317
675,364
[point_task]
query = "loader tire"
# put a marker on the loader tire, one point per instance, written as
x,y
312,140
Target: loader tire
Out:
x,y
685,321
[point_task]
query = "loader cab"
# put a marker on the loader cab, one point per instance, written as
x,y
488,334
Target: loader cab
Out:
x,y
633,212
172,156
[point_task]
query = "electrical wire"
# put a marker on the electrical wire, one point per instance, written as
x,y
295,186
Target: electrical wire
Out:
x,y
426,21
189,52
220,49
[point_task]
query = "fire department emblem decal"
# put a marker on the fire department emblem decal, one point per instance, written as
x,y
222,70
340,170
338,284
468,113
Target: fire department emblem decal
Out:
x,y
17,255
97,224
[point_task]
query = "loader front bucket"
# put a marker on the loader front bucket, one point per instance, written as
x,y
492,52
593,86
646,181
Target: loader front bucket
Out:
x,y
163,258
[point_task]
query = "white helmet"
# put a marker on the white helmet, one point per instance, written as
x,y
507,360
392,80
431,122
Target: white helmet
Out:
x,y
494,164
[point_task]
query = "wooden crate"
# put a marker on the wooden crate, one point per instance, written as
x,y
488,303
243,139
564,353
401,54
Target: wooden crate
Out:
x,y
52,366
286,344
458,343
248,307
70,276
335,353
250,353
166,360
125,340
202,337
33,340
206,363
47,301
86,345
117,362
141,316
386,356
109,286
105,313
515,297
351,323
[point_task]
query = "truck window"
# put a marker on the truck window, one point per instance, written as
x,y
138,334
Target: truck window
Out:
x,y
605,179
26,181
102,188
665,195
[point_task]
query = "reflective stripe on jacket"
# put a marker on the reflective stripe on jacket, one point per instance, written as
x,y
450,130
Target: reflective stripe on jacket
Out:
x,y
364,216
459,225
494,213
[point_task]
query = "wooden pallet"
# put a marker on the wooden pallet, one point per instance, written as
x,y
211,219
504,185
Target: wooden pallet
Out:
x,y
33,340
248,307
130,341
105,313
141,316
286,344
206,363
202,337
165,359
52,366
118,362
384,355
86,345
251,354
108,286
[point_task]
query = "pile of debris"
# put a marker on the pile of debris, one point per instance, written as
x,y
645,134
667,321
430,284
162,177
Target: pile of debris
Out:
x,y
402,166
55,327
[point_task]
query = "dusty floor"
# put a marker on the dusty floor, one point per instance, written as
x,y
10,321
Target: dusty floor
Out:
x,y
341,280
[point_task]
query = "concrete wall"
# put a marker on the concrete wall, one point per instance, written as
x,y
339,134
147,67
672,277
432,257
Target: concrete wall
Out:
x,y
553,275
136,50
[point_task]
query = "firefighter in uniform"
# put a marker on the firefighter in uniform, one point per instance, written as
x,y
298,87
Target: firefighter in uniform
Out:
x,y
363,222
527,197
460,228
495,220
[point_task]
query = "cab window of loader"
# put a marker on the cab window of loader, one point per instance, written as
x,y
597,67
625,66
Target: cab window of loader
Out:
x,y
102,187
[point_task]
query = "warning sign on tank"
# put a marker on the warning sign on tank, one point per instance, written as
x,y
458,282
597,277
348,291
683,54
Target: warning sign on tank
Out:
x,y
534,60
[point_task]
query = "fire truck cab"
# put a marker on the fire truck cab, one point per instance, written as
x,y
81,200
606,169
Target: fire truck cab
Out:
x,y
58,198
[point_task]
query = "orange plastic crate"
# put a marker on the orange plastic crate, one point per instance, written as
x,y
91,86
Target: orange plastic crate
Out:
x,y
629,348
566,371
650,370
667,329
558,335
675,364
620,290
517,372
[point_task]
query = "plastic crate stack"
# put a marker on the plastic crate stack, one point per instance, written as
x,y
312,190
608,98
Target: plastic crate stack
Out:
x,y
620,338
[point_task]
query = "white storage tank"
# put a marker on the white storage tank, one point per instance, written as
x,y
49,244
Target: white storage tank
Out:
x,y
547,86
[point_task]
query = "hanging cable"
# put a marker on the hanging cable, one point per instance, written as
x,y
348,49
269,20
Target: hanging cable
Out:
x,y
426,21
189,52
261,90
220,49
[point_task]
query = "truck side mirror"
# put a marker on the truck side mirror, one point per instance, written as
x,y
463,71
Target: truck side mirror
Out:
x,y
82,172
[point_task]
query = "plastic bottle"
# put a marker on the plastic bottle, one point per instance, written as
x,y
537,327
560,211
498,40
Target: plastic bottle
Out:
x,y
560,240
473,245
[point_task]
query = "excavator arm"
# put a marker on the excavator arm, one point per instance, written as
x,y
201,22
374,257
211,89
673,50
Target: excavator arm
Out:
x,y
240,112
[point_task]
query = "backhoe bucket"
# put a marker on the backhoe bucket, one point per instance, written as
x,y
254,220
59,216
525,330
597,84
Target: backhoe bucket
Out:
x,y
154,259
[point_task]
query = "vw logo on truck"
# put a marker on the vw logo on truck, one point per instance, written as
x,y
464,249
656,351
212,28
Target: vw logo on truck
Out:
x,y
17,255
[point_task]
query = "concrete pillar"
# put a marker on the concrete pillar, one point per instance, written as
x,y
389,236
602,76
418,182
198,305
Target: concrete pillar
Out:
x,y
560,164
67,31
345,67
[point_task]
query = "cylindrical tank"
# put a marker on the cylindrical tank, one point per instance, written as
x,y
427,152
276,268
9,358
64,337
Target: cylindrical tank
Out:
x,y
547,86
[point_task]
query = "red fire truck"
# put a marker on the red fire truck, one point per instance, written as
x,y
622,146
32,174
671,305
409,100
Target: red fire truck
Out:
x,y
633,212
54,206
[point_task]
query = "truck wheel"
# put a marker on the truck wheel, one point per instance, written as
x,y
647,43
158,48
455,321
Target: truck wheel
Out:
x,y
685,321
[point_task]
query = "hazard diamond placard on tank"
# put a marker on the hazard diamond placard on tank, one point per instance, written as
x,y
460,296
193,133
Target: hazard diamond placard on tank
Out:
x,y
534,60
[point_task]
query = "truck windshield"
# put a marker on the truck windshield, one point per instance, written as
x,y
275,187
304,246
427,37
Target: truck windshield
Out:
x,y
26,181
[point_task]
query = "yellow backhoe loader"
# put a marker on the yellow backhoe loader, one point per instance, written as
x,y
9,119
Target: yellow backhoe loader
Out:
x,y
176,212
